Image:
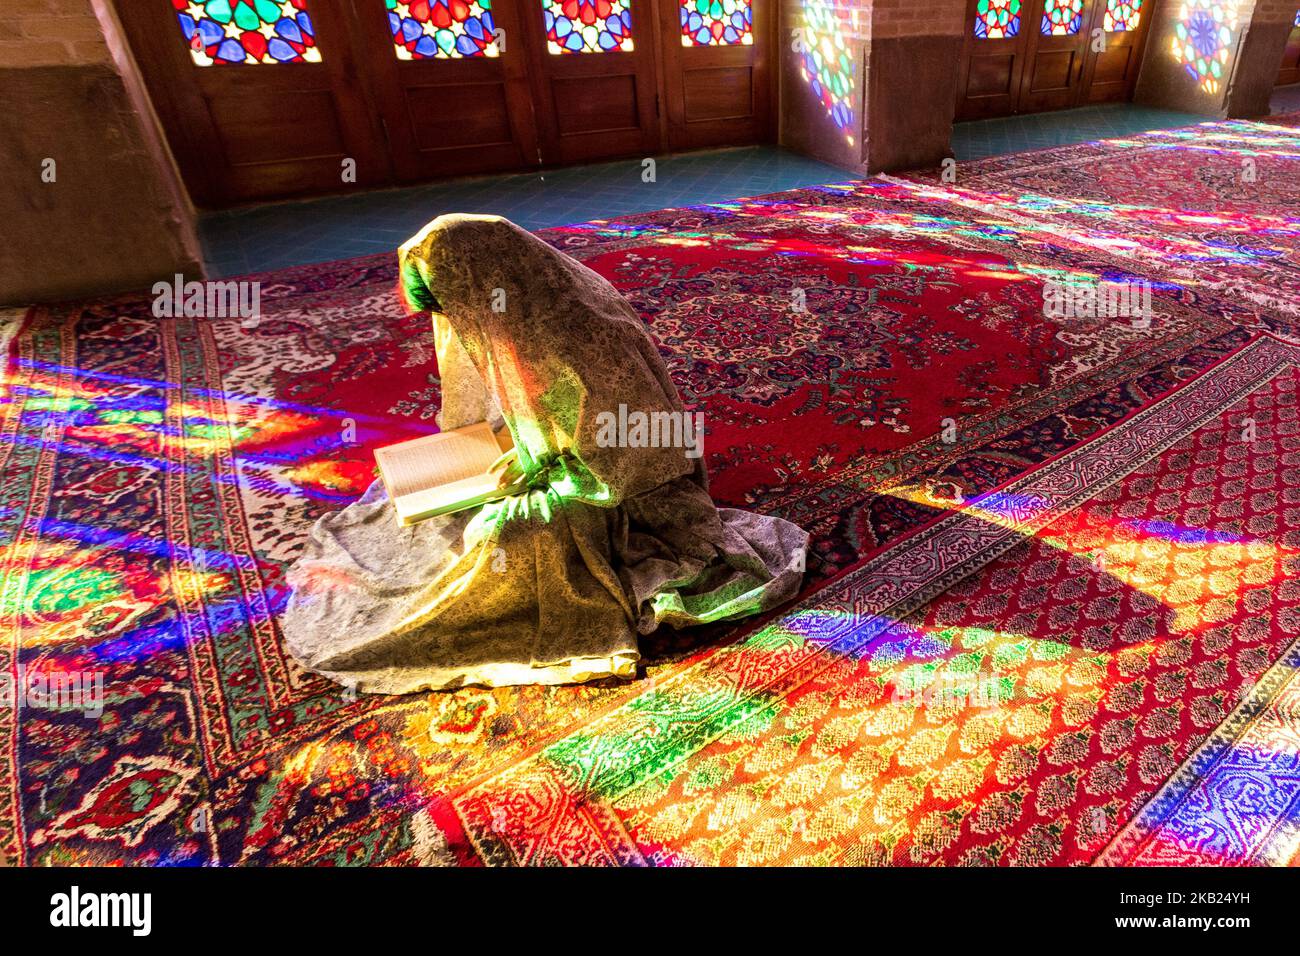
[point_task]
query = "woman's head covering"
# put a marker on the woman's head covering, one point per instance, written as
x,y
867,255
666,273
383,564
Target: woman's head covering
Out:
x,y
558,349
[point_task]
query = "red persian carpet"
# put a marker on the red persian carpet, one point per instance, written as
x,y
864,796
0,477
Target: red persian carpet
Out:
x,y
1052,617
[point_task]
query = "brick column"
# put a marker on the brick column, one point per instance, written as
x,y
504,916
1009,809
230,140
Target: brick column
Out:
x,y
1258,32
115,215
903,57
911,88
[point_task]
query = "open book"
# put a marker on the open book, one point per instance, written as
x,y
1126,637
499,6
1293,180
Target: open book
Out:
x,y
447,472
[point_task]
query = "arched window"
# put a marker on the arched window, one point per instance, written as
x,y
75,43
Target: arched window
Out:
x,y
587,26
995,19
222,32
717,22
442,29
1062,17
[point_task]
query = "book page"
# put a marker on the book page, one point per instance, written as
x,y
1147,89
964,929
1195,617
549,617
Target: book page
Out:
x,y
420,504
437,459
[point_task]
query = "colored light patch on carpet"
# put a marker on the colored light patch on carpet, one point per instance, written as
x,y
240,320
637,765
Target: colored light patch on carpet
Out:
x,y
1215,211
1022,716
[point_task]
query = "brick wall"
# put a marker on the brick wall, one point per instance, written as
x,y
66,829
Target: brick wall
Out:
x,y
904,18
50,33
1274,11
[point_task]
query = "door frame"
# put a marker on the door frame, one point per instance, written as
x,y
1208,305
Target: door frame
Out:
x,y
390,81
547,71
1029,100
1136,39
992,104
753,125
192,132
369,87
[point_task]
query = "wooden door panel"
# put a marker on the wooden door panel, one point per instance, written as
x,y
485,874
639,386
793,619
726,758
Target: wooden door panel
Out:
x,y
1054,60
993,57
1054,70
992,75
601,103
449,110
250,130
1110,75
718,93
717,80
992,80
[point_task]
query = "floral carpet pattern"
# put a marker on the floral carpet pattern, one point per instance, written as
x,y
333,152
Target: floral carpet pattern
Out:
x,y
1050,616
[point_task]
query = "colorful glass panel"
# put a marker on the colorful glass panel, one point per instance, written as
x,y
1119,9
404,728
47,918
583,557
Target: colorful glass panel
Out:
x,y
1062,17
247,31
1122,15
1204,34
827,63
995,19
1297,18
587,26
717,22
442,29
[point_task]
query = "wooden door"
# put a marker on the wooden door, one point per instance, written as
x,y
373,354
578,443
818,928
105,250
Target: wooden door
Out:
x,y
1055,45
259,99
1290,72
1110,74
450,85
716,57
993,58
591,67
1025,56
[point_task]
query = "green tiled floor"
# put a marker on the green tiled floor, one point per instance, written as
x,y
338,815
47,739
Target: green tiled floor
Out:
x,y
1286,99
1016,134
338,227
275,235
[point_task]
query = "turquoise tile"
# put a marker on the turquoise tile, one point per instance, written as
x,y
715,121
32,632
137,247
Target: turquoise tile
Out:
x,y
1012,134
281,234
296,232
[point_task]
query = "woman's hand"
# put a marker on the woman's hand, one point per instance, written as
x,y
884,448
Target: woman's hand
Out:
x,y
509,468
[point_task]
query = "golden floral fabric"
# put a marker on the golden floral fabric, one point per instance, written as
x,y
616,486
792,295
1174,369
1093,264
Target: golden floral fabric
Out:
x,y
553,585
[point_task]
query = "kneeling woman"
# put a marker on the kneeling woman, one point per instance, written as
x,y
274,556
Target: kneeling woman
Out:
x,y
552,585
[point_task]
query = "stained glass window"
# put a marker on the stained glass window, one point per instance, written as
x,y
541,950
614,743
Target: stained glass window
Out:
x,y
1122,15
1062,17
827,63
587,26
995,19
443,29
1297,18
717,22
247,31
1203,39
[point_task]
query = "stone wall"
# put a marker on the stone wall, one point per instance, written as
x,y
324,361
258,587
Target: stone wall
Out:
x,y
1255,51
93,202
912,74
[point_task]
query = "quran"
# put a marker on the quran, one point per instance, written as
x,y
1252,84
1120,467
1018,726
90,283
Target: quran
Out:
x,y
447,472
